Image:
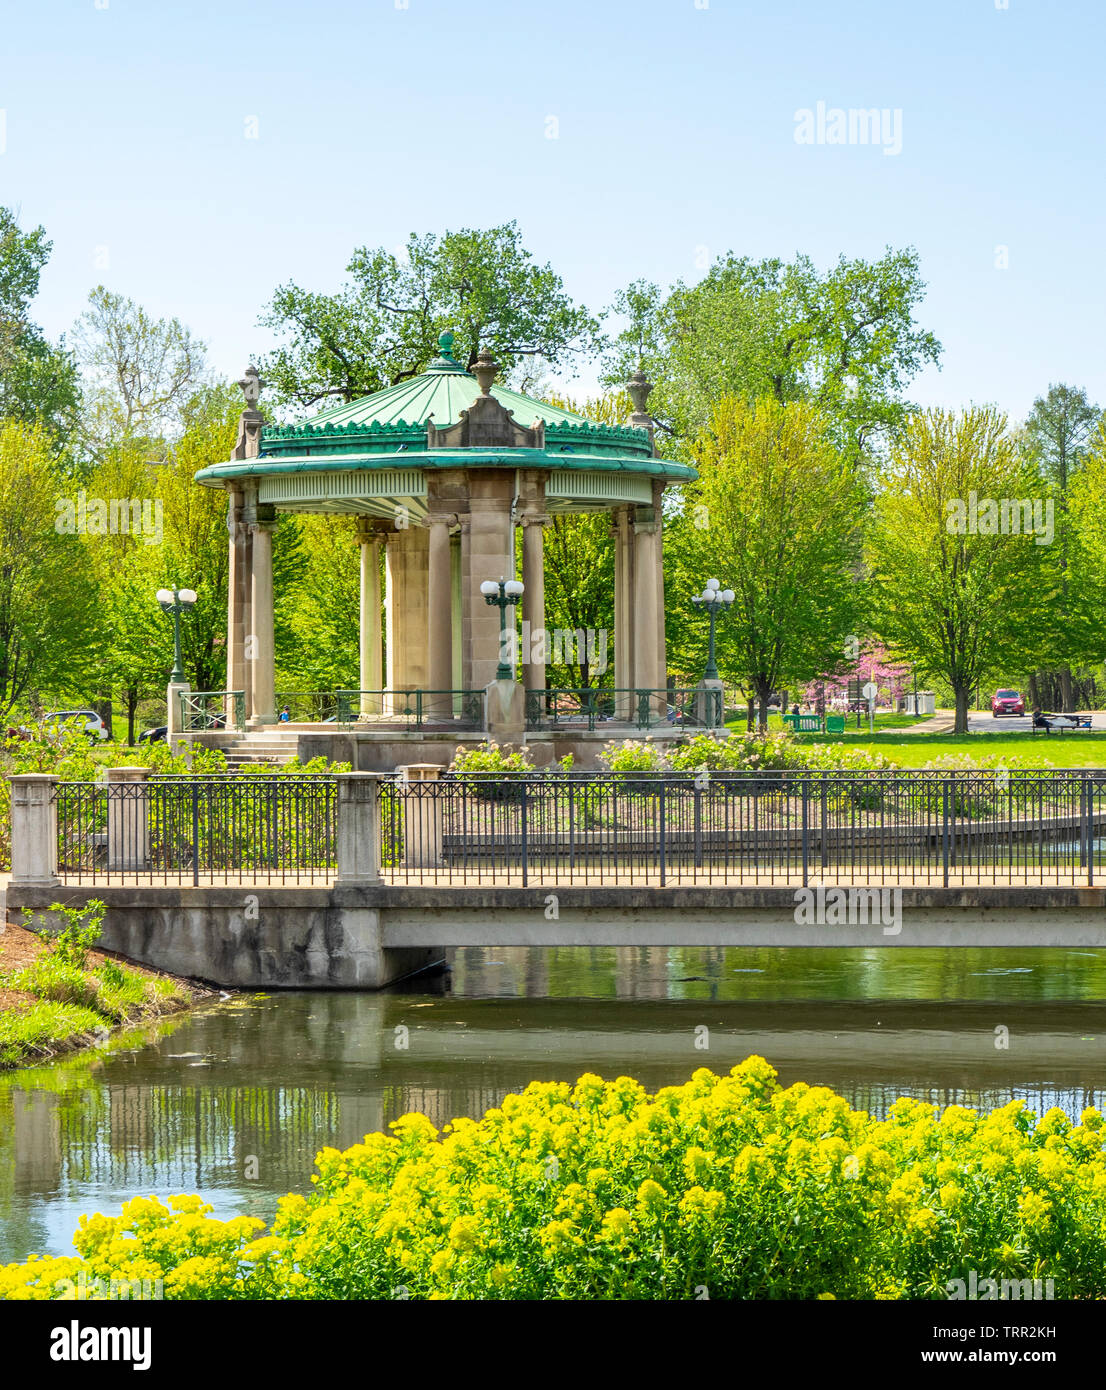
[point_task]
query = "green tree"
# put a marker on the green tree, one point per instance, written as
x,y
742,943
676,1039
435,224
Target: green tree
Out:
x,y
955,592
1057,432
49,616
141,371
776,516
846,341
38,381
383,326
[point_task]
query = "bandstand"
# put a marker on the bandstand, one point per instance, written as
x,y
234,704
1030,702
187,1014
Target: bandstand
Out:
x,y
439,470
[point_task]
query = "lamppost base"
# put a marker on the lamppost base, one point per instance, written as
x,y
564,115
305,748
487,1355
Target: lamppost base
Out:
x,y
505,711
173,710
710,702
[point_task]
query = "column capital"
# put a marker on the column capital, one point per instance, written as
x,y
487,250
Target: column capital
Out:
x,y
535,519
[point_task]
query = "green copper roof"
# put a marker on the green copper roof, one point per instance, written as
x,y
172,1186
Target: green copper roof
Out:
x,y
388,430
442,391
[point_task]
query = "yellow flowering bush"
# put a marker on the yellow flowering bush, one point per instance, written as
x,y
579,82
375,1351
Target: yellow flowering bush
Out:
x,y
601,1190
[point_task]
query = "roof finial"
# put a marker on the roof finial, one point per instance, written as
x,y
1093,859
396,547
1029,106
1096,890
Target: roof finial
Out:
x,y
484,369
251,385
639,387
445,345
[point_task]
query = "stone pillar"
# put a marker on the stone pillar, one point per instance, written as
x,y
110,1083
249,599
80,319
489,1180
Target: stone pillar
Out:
x,y
658,560
359,846
647,665
34,830
439,611
368,538
173,720
128,818
489,556
624,675
407,565
261,612
422,800
238,600
535,652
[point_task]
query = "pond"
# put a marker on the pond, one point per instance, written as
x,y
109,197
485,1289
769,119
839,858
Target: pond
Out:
x,y
233,1101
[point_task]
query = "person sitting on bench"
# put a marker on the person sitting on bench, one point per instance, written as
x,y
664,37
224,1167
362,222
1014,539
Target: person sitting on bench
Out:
x,y
1039,721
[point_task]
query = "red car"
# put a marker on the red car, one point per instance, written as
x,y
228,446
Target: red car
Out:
x,y
1006,702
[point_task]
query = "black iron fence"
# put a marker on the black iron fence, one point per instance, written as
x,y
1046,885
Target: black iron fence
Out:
x,y
187,830
770,828
748,828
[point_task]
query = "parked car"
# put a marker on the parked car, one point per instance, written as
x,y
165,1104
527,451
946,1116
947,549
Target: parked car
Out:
x,y
156,735
1006,702
84,721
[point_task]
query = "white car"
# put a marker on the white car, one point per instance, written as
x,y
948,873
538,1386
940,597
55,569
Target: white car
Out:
x,y
84,721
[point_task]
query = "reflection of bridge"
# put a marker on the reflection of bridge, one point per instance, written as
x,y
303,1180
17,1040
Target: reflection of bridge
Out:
x,y
351,881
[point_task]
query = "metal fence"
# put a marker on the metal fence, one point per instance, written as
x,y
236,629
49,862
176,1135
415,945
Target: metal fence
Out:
x,y
217,830
211,709
885,829
590,707
417,709
783,829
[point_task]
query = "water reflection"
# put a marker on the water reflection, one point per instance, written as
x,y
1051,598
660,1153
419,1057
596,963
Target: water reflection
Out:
x,y
235,1100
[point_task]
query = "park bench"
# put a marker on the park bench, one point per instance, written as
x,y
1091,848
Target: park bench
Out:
x,y
803,723
835,723
1075,724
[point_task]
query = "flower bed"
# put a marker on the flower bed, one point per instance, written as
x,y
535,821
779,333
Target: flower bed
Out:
x,y
727,1186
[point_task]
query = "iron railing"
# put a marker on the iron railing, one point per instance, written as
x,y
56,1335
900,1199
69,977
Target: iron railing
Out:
x,y
306,706
214,830
417,709
771,828
888,829
211,710
591,707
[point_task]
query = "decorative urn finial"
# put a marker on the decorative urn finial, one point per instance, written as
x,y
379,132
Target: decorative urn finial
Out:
x,y
484,369
445,346
639,387
251,385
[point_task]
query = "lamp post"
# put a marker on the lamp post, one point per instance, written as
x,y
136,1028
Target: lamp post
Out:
x,y
714,598
176,601
502,594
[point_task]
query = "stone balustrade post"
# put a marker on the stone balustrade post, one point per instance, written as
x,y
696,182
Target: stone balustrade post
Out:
x,y
359,828
422,815
34,828
128,818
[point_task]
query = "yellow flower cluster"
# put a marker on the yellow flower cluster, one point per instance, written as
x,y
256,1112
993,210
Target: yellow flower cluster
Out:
x,y
602,1190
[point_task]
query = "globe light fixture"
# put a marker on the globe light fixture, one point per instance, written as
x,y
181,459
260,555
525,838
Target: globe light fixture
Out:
x,y
175,602
714,599
502,594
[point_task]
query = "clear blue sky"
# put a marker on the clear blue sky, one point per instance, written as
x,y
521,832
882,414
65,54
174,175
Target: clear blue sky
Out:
x,y
125,129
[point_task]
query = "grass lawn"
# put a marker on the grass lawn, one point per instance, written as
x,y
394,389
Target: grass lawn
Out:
x,y
915,750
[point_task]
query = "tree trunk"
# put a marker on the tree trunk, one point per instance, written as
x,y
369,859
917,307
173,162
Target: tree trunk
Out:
x,y
103,709
962,694
132,709
750,711
1066,697
1034,693
763,691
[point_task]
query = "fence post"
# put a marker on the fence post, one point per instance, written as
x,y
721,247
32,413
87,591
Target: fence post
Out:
x,y
1087,809
806,831
128,818
664,789
359,828
945,830
34,830
422,815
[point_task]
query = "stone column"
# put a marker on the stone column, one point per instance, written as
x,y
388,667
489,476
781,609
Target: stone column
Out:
x,y
368,538
422,802
407,563
489,556
359,843
658,560
624,675
647,673
128,818
261,612
535,652
34,830
439,610
238,600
